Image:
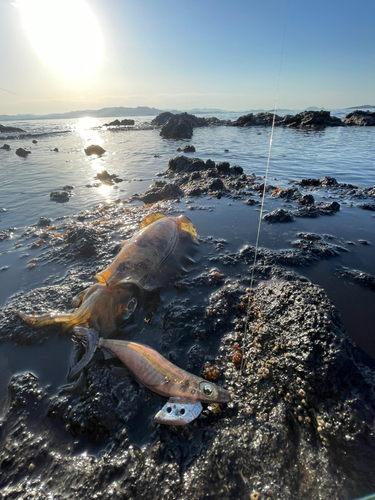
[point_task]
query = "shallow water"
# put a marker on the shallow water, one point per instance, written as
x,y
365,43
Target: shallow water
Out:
x,y
137,156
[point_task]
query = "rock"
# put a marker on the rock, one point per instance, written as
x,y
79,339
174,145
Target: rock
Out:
x,y
360,118
56,150
35,141
223,167
309,182
360,277
22,152
68,188
329,208
83,239
107,178
279,215
162,191
287,194
162,118
188,149
44,222
312,119
184,164
260,119
367,206
6,147
216,185
59,196
118,123
4,129
306,200
94,150
177,127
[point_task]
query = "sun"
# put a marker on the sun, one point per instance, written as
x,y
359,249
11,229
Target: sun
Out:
x,y
64,33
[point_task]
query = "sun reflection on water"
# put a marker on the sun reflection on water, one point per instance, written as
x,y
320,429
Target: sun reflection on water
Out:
x,y
85,128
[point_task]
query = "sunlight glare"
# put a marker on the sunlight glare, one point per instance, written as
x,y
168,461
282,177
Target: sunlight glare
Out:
x,y
64,33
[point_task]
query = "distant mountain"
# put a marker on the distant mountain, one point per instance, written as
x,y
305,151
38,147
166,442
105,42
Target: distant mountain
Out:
x,y
364,106
96,113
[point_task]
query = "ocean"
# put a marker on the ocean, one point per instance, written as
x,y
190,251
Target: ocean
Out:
x,y
136,155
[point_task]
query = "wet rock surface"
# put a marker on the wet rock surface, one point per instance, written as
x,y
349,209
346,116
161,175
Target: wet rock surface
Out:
x,y
303,397
6,147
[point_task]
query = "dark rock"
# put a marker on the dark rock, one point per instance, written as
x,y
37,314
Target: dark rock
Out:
x,y
223,167
162,118
360,118
183,164
4,129
210,163
177,127
251,202
216,185
56,150
59,196
44,222
35,141
309,182
306,200
328,182
83,239
288,193
307,211
94,149
68,188
118,123
312,119
164,192
367,206
329,208
365,279
22,152
236,170
188,149
279,215
244,120
6,147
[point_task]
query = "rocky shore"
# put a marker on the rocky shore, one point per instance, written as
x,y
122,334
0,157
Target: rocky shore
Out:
x,y
177,126
302,424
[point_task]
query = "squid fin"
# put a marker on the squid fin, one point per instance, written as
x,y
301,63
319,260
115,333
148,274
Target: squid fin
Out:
x,y
188,226
89,339
149,219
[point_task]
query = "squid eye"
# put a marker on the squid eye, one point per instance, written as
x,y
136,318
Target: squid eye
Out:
x,y
206,389
130,309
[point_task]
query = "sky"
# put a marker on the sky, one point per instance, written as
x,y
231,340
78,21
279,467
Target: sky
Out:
x,y
64,55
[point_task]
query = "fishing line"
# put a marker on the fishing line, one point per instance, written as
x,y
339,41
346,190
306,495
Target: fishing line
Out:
x,y
10,92
263,194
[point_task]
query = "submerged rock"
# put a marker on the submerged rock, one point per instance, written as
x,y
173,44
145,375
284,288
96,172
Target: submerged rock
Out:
x,y
59,196
6,147
360,277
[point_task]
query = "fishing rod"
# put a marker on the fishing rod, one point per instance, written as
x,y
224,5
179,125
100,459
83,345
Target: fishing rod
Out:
x,y
250,293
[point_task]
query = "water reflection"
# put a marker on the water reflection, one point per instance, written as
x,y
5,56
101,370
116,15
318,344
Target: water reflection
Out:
x,y
87,128
105,192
